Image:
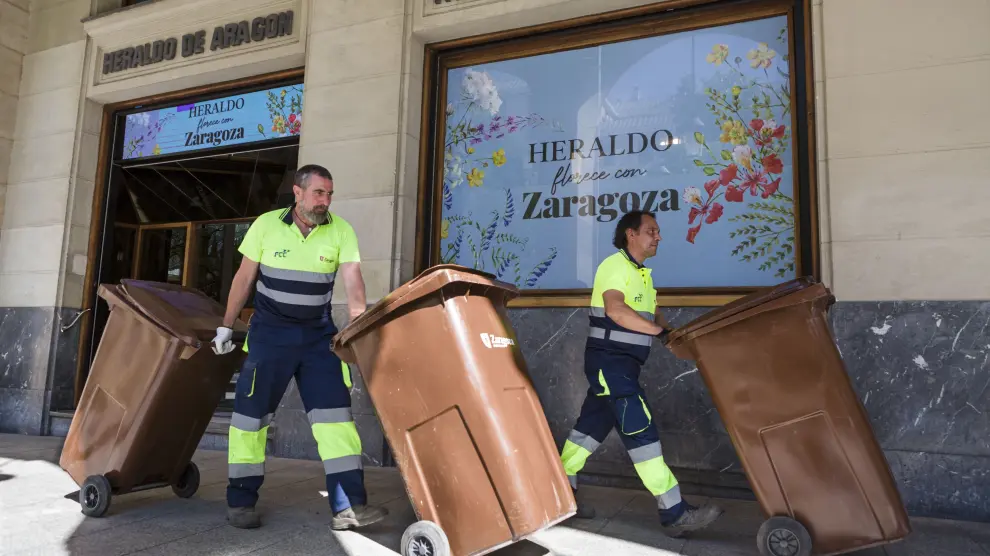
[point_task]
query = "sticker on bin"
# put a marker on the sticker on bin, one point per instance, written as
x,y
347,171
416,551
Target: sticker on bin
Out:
x,y
493,341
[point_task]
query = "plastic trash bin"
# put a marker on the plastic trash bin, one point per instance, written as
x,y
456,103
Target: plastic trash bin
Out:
x,y
152,390
804,439
459,410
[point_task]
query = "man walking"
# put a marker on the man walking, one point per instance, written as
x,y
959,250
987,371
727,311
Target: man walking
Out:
x,y
299,252
624,321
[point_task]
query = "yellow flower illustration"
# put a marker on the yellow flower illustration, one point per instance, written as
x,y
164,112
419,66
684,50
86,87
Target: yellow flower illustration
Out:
x,y
283,92
476,177
445,229
470,150
157,150
498,157
761,57
736,91
733,131
719,53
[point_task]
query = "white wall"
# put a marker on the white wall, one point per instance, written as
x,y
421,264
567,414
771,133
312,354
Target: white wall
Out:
x,y
13,44
357,120
48,146
908,147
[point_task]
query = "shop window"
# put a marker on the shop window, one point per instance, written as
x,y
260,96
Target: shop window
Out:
x,y
543,143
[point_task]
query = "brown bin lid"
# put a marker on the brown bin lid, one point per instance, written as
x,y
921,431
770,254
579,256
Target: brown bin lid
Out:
x,y
756,303
186,313
429,281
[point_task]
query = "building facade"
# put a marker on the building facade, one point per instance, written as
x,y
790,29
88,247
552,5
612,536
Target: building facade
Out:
x,y
774,138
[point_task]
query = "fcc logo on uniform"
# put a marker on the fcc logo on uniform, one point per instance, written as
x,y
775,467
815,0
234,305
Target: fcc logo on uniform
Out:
x,y
493,341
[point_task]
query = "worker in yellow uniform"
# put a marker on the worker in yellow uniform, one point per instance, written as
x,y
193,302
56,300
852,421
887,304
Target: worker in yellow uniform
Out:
x,y
296,254
625,320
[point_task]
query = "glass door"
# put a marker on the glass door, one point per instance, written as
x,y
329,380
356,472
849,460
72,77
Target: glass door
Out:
x,y
216,261
216,256
163,253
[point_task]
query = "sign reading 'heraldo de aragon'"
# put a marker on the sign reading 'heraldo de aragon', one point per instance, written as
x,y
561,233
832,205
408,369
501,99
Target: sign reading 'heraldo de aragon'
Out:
x,y
192,44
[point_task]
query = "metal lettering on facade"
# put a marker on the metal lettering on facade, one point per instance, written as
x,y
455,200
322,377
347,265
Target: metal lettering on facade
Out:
x,y
192,44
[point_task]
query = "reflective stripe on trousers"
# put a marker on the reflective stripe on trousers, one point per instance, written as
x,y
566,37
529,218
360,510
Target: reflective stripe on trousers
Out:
x,y
246,439
322,382
616,400
336,439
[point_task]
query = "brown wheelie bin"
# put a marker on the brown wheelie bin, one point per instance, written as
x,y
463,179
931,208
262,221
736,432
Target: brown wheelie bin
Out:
x,y
152,390
805,441
457,406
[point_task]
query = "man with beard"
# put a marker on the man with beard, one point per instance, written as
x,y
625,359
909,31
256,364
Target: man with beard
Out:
x,y
296,254
624,322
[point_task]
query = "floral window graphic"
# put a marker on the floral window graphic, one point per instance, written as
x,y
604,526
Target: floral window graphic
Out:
x,y
541,155
749,167
473,121
239,119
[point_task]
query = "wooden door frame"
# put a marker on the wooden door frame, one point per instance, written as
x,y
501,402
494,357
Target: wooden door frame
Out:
x,y
187,278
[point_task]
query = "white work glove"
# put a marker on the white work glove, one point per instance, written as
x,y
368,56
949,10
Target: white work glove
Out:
x,y
223,343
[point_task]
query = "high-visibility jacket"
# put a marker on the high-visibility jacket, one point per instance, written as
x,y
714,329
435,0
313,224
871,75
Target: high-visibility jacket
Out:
x,y
296,275
621,272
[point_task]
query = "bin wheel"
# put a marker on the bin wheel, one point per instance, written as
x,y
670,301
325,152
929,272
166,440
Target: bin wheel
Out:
x,y
188,482
94,496
783,536
425,538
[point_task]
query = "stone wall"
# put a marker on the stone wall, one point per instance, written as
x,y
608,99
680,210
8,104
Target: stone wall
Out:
x,y
920,370
49,182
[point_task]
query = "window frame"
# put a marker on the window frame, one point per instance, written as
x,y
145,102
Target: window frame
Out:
x,y
637,23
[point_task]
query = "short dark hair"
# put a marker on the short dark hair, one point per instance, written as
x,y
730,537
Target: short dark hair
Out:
x,y
304,173
631,220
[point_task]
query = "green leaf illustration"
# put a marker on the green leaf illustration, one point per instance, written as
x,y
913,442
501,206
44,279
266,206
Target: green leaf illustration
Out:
x,y
699,137
726,155
709,171
698,163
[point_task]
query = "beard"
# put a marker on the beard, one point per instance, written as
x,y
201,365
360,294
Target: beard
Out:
x,y
316,215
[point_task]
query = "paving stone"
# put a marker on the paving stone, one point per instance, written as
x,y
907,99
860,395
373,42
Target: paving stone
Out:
x,y
37,518
229,541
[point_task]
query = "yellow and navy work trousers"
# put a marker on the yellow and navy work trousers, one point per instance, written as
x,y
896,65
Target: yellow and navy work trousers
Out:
x,y
324,385
615,399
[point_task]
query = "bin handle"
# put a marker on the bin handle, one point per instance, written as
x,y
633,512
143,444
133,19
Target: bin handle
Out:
x,y
386,305
773,305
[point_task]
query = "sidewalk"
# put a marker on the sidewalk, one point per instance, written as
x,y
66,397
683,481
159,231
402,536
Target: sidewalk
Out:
x,y
37,519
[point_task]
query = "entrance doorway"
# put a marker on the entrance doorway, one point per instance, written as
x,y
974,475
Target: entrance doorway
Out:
x,y
182,221
185,180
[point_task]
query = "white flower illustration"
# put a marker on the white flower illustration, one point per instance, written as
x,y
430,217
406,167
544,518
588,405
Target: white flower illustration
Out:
x,y
743,155
452,171
478,87
692,196
142,119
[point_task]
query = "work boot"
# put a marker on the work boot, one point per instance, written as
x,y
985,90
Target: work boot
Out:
x,y
243,518
358,516
584,510
691,519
